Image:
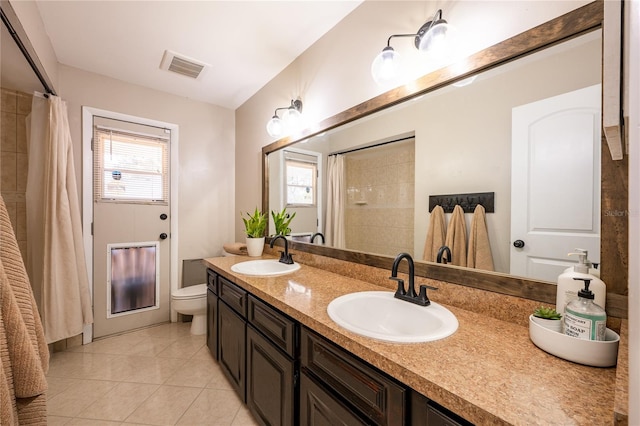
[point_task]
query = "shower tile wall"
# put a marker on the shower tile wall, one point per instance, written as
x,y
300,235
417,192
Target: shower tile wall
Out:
x,y
380,199
14,107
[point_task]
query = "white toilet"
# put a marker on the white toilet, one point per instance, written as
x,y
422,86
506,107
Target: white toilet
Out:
x,y
192,300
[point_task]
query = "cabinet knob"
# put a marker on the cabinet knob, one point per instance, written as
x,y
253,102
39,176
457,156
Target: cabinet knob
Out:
x,y
163,236
518,243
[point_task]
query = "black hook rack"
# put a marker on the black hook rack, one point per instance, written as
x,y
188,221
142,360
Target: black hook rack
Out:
x,y
468,202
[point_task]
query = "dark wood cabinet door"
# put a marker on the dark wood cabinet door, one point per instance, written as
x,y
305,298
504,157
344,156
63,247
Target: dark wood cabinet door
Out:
x,y
270,381
231,347
320,408
212,323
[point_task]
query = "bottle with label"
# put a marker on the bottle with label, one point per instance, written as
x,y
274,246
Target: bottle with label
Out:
x,y
583,318
568,286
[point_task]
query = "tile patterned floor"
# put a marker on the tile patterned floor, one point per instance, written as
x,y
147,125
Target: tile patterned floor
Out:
x,y
156,376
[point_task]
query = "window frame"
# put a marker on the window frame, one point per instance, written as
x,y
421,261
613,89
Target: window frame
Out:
x,y
314,182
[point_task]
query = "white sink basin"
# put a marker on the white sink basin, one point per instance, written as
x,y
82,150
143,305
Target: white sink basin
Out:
x,y
377,314
264,268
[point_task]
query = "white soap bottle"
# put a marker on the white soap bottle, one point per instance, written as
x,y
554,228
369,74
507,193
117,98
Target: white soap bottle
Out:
x,y
583,318
568,287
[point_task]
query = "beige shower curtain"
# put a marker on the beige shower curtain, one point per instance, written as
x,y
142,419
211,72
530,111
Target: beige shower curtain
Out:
x,y
56,258
334,233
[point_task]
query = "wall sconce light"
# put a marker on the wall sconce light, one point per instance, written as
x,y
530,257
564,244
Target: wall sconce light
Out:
x,y
290,120
433,37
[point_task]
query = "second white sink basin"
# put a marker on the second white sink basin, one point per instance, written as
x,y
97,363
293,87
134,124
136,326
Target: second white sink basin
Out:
x,y
377,314
264,268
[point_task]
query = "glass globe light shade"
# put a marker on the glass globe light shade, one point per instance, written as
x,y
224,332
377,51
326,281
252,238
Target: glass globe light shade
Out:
x,y
291,118
385,68
275,127
440,43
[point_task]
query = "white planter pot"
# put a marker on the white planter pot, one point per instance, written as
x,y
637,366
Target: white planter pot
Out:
x,y
555,325
255,246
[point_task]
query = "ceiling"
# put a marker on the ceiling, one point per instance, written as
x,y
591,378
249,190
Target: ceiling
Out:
x,y
246,43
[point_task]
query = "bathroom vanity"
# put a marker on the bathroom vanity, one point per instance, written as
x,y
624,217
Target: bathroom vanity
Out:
x,y
292,364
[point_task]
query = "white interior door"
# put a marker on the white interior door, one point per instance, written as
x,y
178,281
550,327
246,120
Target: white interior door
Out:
x,y
131,226
555,182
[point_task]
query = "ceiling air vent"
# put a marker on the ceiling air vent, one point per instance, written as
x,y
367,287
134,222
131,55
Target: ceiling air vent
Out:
x,y
181,64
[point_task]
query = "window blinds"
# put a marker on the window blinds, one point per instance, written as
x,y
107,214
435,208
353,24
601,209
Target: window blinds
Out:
x,y
130,167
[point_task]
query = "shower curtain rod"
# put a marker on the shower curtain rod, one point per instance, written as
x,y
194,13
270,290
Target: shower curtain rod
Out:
x,y
25,53
371,146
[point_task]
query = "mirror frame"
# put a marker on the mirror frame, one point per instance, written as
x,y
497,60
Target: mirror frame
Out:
x,y
575,23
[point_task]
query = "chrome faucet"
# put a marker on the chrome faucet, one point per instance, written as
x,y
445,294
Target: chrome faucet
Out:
x,y
317,234
409,294
440,258
285,257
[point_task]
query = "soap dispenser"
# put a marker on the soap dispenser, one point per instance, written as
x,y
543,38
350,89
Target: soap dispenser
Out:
x,y
593,267
583,318
568,286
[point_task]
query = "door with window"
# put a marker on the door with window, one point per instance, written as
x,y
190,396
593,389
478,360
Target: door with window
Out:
x,y
131,225
299,174
300,179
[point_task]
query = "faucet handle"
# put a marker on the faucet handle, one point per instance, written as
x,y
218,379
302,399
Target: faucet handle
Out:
x,y
422,296
400,291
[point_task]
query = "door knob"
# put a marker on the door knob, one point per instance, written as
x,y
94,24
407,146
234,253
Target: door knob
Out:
x,y
518,243
163,236
163,216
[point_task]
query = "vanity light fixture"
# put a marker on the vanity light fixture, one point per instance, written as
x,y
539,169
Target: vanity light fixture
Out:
x,y
432,37
290,120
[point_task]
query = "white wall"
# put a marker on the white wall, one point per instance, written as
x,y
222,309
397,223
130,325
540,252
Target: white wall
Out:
x,y
333,74
206,152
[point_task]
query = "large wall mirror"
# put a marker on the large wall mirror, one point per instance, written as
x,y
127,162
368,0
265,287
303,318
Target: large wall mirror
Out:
x,y
452,137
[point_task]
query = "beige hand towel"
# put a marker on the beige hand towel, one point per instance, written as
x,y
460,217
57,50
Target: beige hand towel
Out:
x,y
457,237
436,234
236,248
479,255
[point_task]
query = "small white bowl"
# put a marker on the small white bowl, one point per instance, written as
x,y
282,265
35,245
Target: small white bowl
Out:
x,y
588,352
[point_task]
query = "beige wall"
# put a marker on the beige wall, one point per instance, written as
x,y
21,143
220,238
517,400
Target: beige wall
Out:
x,y
206,152
333,74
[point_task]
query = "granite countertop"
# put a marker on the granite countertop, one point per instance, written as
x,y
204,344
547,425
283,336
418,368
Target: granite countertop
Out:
x,y
488,372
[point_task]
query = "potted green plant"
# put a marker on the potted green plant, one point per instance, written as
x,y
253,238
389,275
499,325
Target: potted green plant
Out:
x,y
548,318
254,225
281,221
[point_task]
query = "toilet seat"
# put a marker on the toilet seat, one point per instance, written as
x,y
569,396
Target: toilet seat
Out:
x,y
192,292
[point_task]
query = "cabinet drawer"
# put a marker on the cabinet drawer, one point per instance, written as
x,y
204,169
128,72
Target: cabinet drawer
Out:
x,y
233,295
279,328
211,281
378,397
